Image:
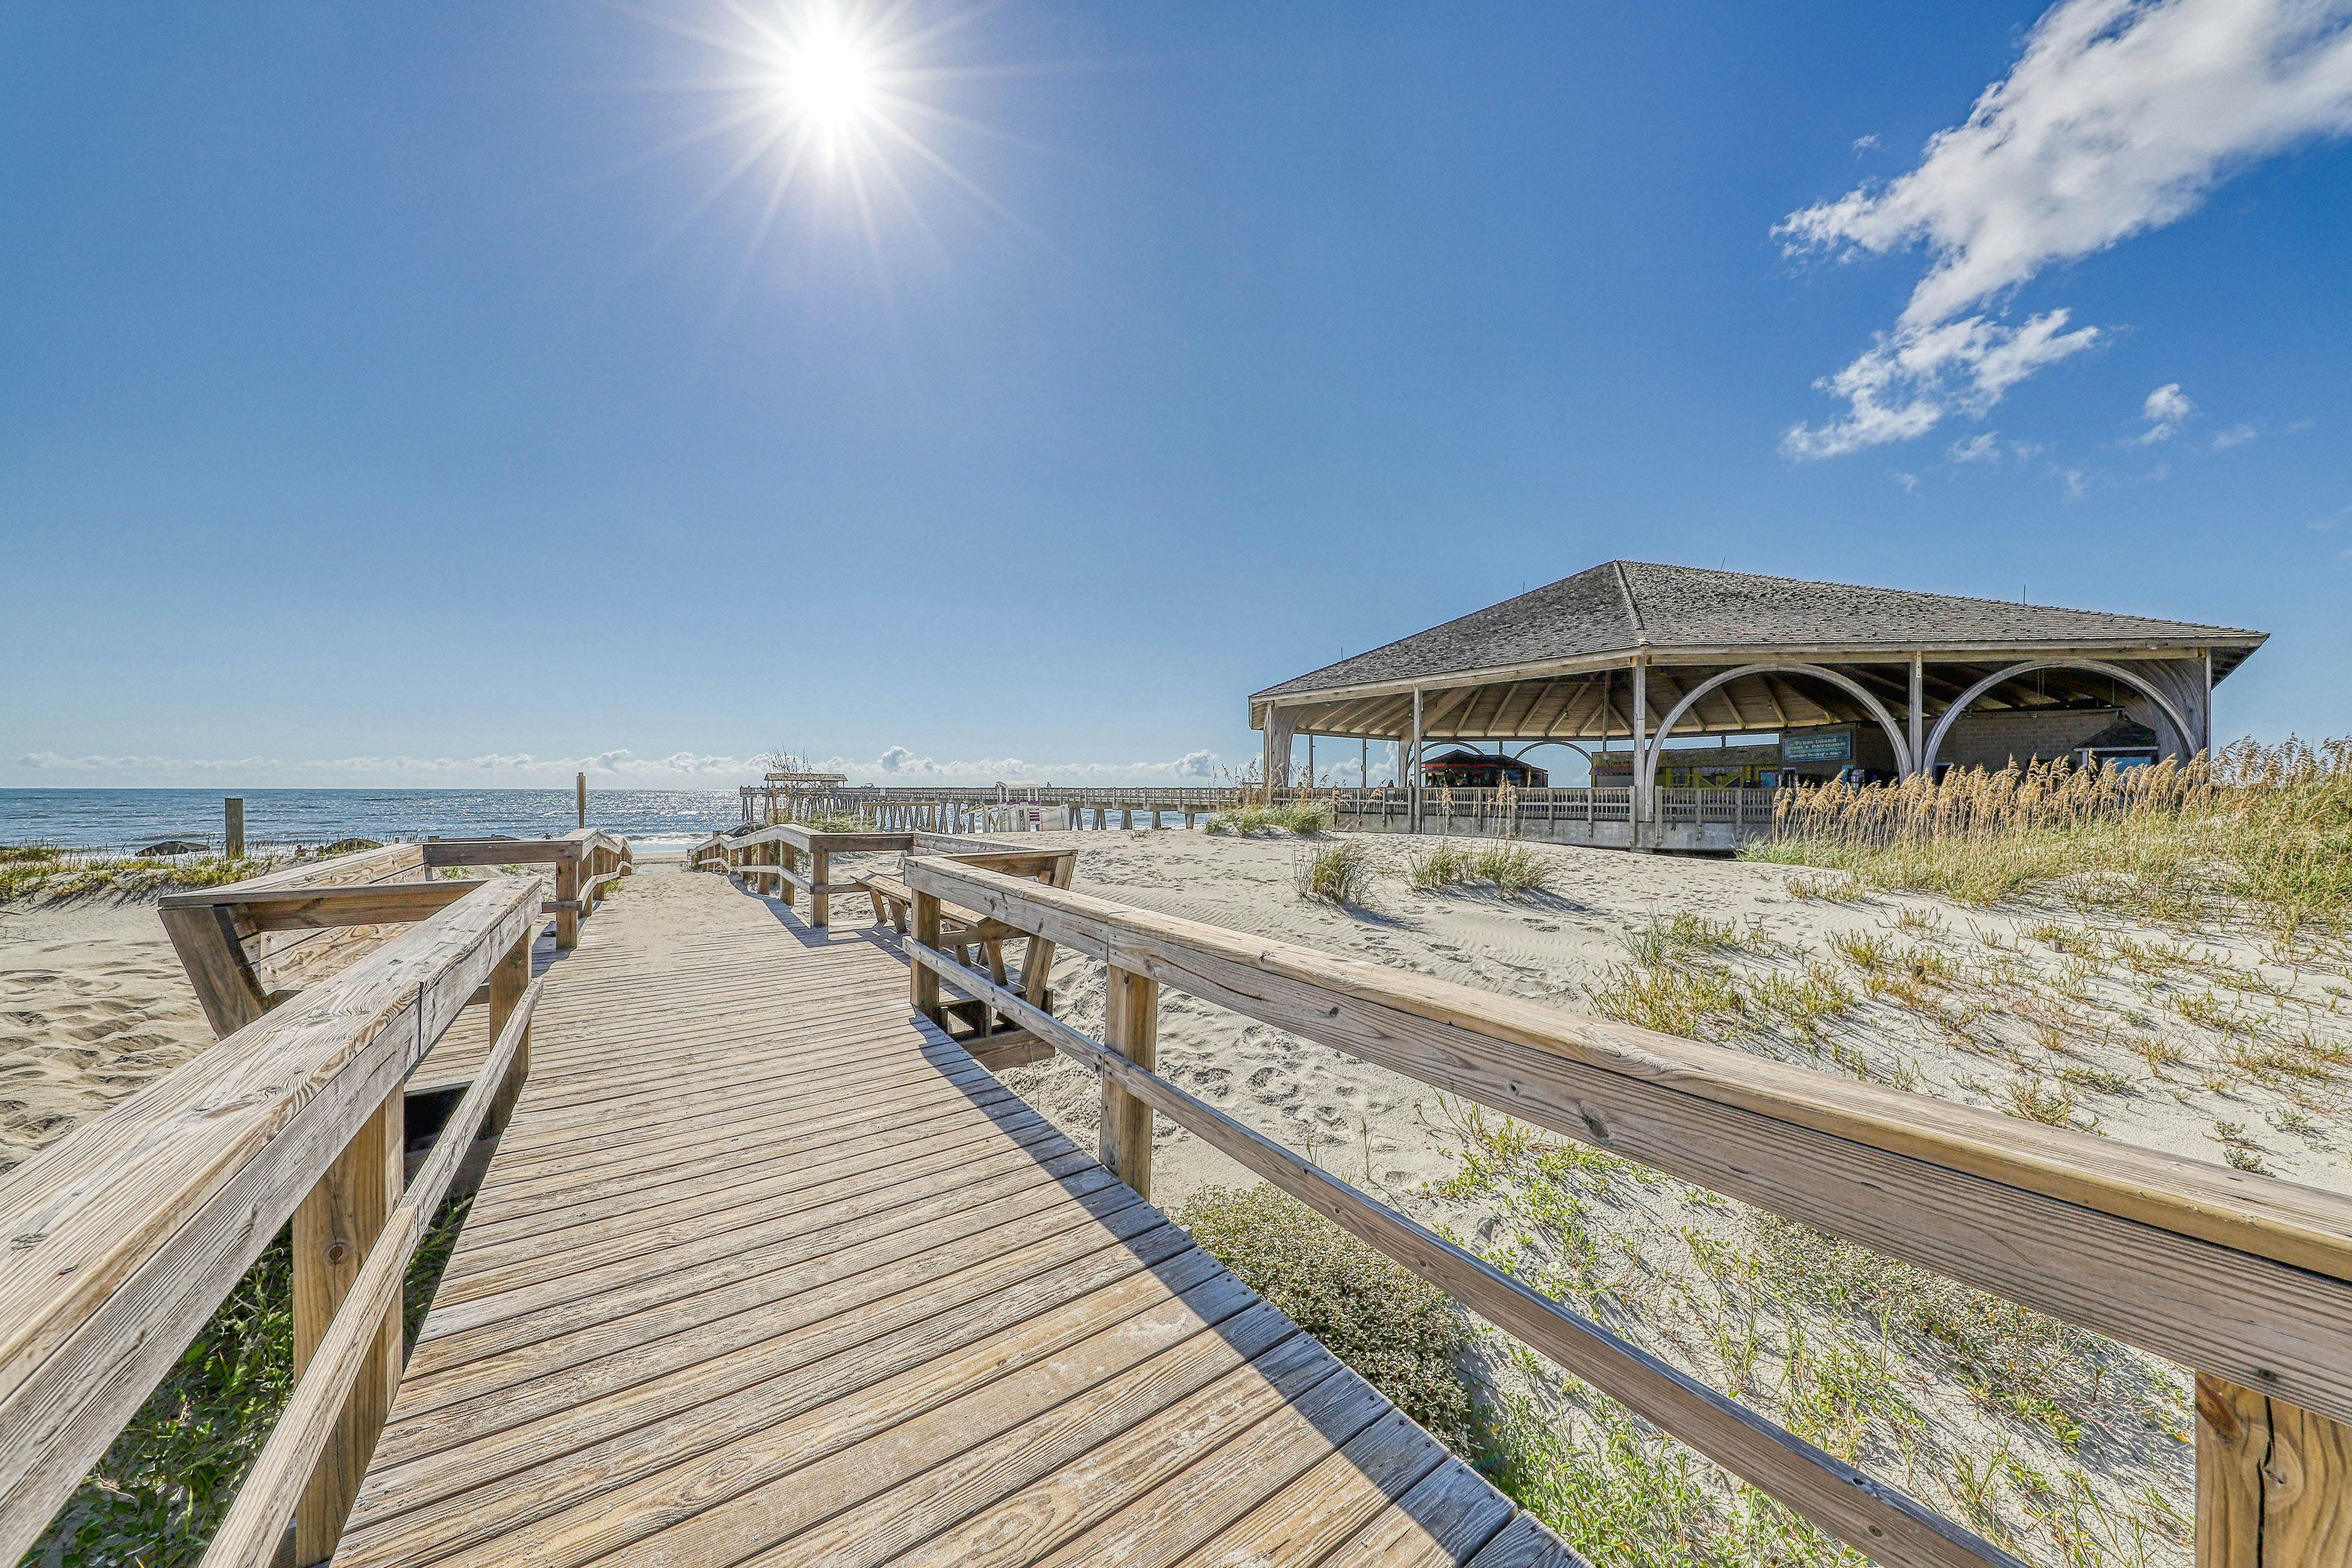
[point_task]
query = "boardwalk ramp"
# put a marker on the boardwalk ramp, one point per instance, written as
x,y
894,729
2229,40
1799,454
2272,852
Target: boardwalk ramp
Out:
x,y
767,1270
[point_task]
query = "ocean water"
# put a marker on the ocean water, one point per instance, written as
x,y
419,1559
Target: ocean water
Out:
x,y
129,818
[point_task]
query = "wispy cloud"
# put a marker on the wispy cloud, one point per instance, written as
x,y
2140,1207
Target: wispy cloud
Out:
x,y
2166,410
2118,117
618,767
2235,436
1984,448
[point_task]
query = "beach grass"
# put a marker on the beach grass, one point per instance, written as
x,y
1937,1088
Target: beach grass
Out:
x,y
1306,818
2262,831
42,871
1341,873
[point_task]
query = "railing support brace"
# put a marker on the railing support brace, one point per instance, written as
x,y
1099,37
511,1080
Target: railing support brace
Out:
x,y
923,984
1130,1028
508,982
2273,1482
335,1226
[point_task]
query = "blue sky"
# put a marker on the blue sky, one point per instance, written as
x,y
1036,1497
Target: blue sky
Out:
x,y
409,395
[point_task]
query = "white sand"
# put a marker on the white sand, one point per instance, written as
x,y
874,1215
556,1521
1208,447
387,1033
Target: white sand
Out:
x,y
1551,947
94,1006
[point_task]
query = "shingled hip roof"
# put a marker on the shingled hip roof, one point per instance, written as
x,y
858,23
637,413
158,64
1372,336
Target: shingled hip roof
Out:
x,y
1628,607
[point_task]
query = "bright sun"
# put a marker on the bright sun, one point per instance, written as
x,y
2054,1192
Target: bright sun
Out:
x,y
829,80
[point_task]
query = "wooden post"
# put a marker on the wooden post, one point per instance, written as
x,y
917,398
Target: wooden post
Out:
x,y
1641,754
233,812
580,788
1412,787
1917,727
567,900
508,982
2273,1482
820,901
923,982
1130,1028
334,1229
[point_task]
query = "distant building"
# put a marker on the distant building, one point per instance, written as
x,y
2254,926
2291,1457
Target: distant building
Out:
x,y
1863,682
1480,770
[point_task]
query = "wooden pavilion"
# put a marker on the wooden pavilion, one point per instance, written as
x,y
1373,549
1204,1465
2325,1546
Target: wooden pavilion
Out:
x,y
1873,682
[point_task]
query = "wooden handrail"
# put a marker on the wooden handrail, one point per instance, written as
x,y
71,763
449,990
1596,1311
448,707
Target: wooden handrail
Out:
x,y
126,1234
2245,1278
249,1534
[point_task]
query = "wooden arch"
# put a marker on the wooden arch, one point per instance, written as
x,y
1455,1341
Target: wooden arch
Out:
x,y
1649,764
2112,672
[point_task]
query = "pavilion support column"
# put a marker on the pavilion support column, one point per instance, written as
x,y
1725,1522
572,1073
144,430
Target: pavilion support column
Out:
x,y
2208,715
1645,830
1280,727
1918,716
1412,789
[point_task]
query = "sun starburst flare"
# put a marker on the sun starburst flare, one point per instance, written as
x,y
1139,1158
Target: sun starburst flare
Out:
x,y
833,105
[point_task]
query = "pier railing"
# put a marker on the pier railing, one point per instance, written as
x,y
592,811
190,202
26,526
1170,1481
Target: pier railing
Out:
x,y
124,1235
2245,1279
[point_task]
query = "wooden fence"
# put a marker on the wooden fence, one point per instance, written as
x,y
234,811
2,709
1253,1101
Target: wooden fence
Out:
x,y
2245,1279
124,1237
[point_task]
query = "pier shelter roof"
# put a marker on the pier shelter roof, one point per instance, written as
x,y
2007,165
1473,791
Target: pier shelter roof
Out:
x,y
1741,653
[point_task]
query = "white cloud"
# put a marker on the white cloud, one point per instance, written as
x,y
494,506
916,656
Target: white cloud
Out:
x,y
1910,483
1907,382
2235,436
2118,117
1979,448
2166,410
1865,143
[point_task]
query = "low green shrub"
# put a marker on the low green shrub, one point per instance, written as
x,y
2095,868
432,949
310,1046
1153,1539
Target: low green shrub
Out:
x,y
1306,818
1512,869
1341,874
1446,865
1402,1334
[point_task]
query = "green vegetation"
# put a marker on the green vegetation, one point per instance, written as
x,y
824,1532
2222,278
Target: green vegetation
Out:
x,y
1509,869
836,822
1402,1335
1512,869
1340,873
33,869
1306,818
1444,865
168,1478
1839,1344
2267,830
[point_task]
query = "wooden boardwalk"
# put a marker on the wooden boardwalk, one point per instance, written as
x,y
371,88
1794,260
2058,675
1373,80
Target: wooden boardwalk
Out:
x,y
767,1271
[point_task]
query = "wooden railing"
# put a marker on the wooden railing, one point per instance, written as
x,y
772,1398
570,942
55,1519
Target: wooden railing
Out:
x,y
2243,1278
247,946
125,1235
